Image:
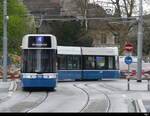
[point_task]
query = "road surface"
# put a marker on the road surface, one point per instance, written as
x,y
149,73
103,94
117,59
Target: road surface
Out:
x,y
83,96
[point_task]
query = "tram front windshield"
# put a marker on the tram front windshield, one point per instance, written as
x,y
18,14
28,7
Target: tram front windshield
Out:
x,y
39,61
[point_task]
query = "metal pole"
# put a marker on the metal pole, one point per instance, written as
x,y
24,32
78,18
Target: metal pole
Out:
x,y
148,85
5,67
140,42
128,77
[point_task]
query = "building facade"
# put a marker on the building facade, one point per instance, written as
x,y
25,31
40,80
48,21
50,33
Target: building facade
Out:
x,y
59,8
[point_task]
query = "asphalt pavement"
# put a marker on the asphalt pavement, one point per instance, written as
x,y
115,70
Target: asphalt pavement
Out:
x,y
109,95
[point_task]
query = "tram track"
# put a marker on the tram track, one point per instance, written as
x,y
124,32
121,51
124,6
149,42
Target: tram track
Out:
x,y
10,95
91,103
23,101
6,98
29,102
83,97
12,98
88,97
120,92
67,98
38,103
105,94
87,102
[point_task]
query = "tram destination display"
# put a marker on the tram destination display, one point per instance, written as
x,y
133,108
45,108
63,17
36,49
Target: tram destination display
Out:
x,y
39,41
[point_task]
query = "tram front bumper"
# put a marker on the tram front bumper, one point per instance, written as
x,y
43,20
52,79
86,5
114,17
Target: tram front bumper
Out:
x,y
29,83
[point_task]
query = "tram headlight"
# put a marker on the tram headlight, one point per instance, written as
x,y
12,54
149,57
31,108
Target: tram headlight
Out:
x,y
49,76
33,76
27,76
46,76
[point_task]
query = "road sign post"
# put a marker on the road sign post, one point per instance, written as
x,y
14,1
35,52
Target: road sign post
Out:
x,y
128,77
128,61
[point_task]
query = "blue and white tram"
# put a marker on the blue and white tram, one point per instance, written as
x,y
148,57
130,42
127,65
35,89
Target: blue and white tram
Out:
x,y
79,63
69,63
100,62
39,61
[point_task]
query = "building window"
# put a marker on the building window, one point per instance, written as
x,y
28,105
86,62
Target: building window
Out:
x,y
62,62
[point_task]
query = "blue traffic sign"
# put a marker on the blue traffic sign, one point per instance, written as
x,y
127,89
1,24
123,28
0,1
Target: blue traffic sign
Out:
x,y
128,60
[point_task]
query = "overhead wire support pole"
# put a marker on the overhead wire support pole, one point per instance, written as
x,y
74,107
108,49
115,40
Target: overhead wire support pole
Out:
x,y
140,42
85,14
5,56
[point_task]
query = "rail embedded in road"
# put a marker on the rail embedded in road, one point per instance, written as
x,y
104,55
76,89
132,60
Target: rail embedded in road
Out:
x,y
139,106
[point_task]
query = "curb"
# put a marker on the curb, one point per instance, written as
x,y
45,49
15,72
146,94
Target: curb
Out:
x,y
139,106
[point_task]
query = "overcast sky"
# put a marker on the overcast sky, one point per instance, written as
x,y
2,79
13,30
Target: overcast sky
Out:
x,y
146,6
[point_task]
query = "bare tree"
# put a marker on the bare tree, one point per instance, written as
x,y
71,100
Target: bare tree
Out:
x,y
89,10
123,8
121,30
147,1
84,7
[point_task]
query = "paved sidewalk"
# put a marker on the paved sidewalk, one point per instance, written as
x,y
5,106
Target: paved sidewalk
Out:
x,y
4,84
138,91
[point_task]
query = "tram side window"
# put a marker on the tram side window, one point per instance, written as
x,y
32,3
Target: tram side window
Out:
x,y
113,64
76,62
89,62
62,62
69,62
73,62
117,62
100,62
110,63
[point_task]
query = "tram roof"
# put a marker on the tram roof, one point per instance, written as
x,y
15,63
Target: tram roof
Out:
x,y
70,50
106,51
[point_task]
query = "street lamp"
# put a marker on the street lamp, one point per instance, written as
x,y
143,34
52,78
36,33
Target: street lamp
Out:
x,y
140,42
5,50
